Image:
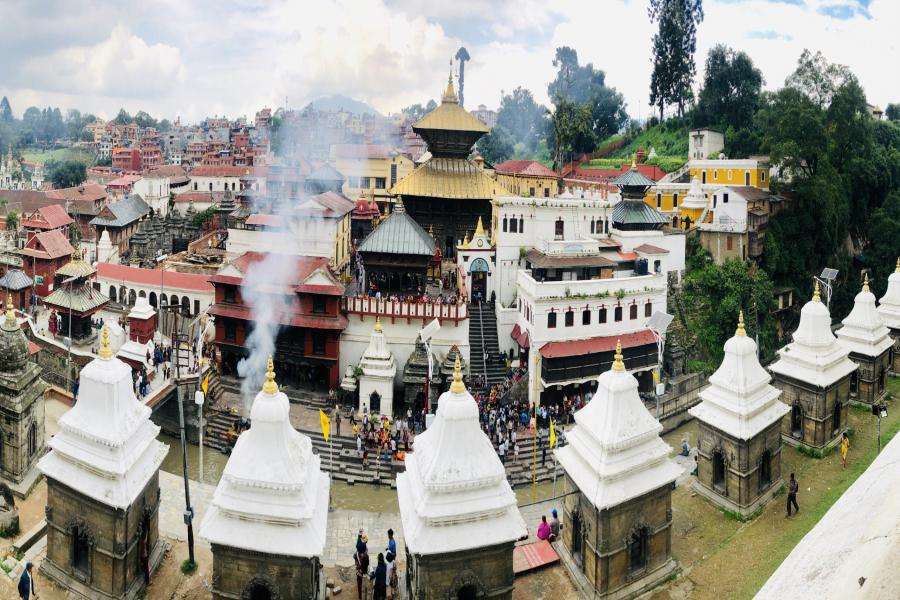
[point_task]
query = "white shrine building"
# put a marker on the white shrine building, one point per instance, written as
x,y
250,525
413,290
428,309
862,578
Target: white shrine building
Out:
x,y
739,419
617,533
869,342
376,382
814,374
460,517
889,309
103,487
267,520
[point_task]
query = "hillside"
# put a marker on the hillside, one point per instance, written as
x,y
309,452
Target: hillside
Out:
x,y
669,139
339,102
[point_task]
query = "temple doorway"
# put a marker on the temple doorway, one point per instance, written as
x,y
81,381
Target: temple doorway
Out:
x,y
836,420
718,465
467,592
577,539
765,470
479,272
796,420
259,592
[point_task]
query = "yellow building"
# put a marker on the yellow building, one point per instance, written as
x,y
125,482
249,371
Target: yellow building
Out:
x,y
749,172
370,168
527,178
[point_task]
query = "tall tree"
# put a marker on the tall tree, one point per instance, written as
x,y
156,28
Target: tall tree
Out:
x,y
497,146
674,45
586,85
570,129
6,113
522,117
68,173
730,92
817,78
892,112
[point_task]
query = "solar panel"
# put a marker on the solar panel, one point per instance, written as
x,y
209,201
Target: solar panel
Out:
x,y
660,321
829,274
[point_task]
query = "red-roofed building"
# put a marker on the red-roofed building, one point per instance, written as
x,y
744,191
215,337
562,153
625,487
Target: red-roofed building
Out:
x,y
217,178
308,302
526,178
46,218
43,254
124,284
126,159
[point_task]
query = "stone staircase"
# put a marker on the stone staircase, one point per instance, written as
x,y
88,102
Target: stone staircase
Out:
x,y
483,341
295,395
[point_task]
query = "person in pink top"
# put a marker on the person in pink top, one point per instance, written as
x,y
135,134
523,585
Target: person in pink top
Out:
x,y
543,530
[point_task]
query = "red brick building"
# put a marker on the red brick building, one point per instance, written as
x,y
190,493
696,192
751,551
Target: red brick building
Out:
x,y
43,254
308,344
126,159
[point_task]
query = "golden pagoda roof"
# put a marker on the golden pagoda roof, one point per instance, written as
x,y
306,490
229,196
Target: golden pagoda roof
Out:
x,y
76,268
450,178
450,116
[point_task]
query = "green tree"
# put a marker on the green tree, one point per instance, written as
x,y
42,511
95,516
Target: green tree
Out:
x,y
123,118
497,146
522,117
6,113
145,120
892,112
674,45
793,132
68,173
585,85
12,220
569,129
730,93
817,78
884,243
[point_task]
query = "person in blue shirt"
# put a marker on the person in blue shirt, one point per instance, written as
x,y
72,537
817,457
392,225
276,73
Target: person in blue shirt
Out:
x,y
392,543
26,583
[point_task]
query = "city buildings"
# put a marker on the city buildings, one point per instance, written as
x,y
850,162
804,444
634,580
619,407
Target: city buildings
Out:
x,y
526,178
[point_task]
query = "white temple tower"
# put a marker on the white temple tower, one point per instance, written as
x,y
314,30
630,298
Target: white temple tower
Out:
x,y
740,430
814,372
459,514
268,516
376,383
103,487
869,343
617,533
889,309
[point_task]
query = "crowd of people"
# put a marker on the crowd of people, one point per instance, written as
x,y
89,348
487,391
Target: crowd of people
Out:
x,y
386,440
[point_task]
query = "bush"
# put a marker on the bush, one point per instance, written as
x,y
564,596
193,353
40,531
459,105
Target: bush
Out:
x,y
188,567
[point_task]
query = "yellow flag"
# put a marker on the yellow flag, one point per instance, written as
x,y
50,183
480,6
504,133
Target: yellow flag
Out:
x,y
326,423
655,376
205,385
552,434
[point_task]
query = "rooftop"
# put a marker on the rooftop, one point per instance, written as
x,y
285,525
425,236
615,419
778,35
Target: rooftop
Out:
x,y
52,216
399,234
450,178
122,213
153,277
48,245
530,168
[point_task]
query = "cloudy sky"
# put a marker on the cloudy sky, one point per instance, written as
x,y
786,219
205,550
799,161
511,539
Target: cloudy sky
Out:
x,y
212,57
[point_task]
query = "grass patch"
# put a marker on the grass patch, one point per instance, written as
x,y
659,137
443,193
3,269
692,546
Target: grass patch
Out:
x,y
36,155
813,452
736,516
188,567
669,138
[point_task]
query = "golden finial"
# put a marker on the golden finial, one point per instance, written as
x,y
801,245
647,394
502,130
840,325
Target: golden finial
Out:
x,y
816,296
378,328
897,268
866,283
431,233
618,364
634,161
10,311
741,332
270,387
479,228
105,350
465,243
450,93
457,387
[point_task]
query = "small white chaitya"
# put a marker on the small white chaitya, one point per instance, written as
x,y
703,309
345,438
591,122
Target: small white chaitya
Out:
x,y
814,373
619,481
889,309
270,507
106,446
740,430
456,503
869,342
695,199
376,382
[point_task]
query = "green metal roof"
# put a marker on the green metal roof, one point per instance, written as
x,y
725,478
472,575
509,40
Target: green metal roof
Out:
x,y
633,177
82,299
399,234
637,212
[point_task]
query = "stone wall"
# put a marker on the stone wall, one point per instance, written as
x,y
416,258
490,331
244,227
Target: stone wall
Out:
x,y
895,352
872,376
817,406
20,409
488,569
114,555
236,571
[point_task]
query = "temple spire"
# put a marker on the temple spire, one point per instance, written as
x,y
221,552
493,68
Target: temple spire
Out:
x,y
10,312
741,332
457,387
897,268
105,351
618,364
816,296
378,328
270,388
479,228
865,287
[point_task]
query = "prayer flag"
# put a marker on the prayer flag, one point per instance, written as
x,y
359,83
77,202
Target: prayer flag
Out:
x,y
326,423
552,434
655,376
205,385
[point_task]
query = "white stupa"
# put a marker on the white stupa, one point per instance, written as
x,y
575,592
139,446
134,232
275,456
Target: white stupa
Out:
x,y
864,332
273,496
814,357
614,452
739,399
378,371
454,494
695,200
105,250
889,305
106,446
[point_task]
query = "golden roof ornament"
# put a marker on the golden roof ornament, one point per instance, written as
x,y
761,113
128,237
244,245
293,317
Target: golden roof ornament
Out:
x,y
450,96
897,269
10,311
618,364
457,387
816,296
866,283
378,328
105,351
270,387
634,161
465,243
479,229
431,232
741,332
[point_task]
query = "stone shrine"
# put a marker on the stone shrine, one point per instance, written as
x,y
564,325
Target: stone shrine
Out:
x,y
617,533
141,328
103,487
889,309
869,343
415,375
740,431
268,517
21,408
459,514
376,382
814,372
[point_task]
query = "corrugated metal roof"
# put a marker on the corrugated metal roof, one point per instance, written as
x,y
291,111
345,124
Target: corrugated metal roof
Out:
x,y
450,178
76,268
125,212
81,299
633,177
325,173
399,234
14,280
636,213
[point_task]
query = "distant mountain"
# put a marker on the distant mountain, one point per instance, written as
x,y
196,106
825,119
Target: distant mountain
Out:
x,y
339,102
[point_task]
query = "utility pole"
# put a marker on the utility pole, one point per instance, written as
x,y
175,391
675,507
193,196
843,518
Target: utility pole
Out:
x,y
176,352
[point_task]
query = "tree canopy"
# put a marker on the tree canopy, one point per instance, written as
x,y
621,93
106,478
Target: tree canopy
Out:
x,y
674,45
497,146
730,93
67,173
522,117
